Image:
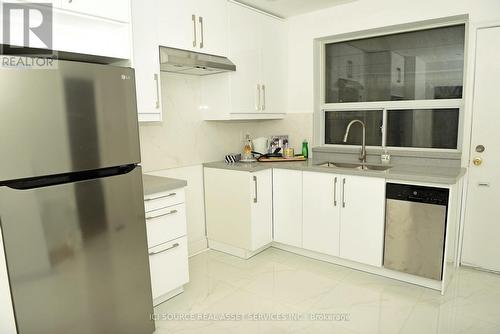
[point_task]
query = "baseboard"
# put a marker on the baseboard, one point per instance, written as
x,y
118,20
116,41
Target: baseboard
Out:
x,y
425,282
167,296
236,251
197,246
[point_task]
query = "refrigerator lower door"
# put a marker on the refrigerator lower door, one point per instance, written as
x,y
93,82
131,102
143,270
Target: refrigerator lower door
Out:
x,y
77,257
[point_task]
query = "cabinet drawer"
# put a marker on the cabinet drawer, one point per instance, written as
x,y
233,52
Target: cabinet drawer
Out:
x,y
166,224
164,199
169,266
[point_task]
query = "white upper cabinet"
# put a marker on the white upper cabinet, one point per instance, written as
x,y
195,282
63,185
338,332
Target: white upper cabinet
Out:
x,y
257,89
274,64
89,27
321,212
195,25
245,52
146,59
362,219
287,206
112,9
257,45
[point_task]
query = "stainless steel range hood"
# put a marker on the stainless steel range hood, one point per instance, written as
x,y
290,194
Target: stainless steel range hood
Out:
x,y
193,63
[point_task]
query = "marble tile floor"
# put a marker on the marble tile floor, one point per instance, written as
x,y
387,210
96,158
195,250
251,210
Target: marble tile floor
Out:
x,y
303,295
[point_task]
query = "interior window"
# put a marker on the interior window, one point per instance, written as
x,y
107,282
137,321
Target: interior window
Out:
x,y
418,65
336,123
424,128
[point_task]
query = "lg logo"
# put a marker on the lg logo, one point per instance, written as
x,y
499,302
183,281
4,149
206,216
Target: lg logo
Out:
x,y
27,26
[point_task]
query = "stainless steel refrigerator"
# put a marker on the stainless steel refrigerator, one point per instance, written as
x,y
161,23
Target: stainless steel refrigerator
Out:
x,y
71,200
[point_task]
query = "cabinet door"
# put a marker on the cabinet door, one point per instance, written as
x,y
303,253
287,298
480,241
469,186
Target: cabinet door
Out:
x,y
146,59
228,202
321,212
245,52
112,9
287,206
177,24
212,26
362,219
274,65
261,208
168,264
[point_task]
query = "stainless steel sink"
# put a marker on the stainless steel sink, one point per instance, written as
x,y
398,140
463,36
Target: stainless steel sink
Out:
x,y
358,166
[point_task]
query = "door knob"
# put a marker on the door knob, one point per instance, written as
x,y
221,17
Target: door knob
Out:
x,y
477,161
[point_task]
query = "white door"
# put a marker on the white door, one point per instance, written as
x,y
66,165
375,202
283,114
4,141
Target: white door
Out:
x,y
146,59
212,26
287,206
362,219
261,185
274,65
7,321
178,24
112,9
321,212
245,52
482,226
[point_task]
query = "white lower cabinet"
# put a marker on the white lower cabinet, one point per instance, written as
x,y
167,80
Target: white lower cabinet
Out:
x,y
334,214
362,219
287,206
169,267
344,216
238,208
321,212
167,242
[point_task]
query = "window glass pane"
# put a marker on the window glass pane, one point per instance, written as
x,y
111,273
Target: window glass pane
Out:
x,y
418,65
428,128
336,124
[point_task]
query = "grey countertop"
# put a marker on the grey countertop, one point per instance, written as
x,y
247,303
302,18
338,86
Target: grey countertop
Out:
x,y
157,184
426,174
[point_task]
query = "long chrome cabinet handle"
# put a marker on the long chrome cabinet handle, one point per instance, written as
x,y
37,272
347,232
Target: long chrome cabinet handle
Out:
x,y
164,196
157,82
195,42
257,104
263,97
164,250
163,215
343,193
202,43
335,192
255,199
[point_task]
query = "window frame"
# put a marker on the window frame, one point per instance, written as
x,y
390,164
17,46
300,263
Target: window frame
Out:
x,y
390,105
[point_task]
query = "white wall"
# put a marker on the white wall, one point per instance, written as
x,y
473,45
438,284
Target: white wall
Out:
x,y
183,141
369,14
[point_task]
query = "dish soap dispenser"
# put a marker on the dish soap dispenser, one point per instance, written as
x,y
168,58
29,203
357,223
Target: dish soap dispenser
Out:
x,y
305,149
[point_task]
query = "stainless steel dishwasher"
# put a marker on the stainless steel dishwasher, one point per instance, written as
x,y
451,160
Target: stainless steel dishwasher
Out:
x,y
415,229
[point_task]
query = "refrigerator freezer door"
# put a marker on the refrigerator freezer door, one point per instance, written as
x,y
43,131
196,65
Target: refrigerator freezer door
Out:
x,y
77,257
76,117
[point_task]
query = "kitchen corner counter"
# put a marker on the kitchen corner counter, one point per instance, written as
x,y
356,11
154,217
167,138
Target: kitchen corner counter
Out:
x,y
425,174
157,184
